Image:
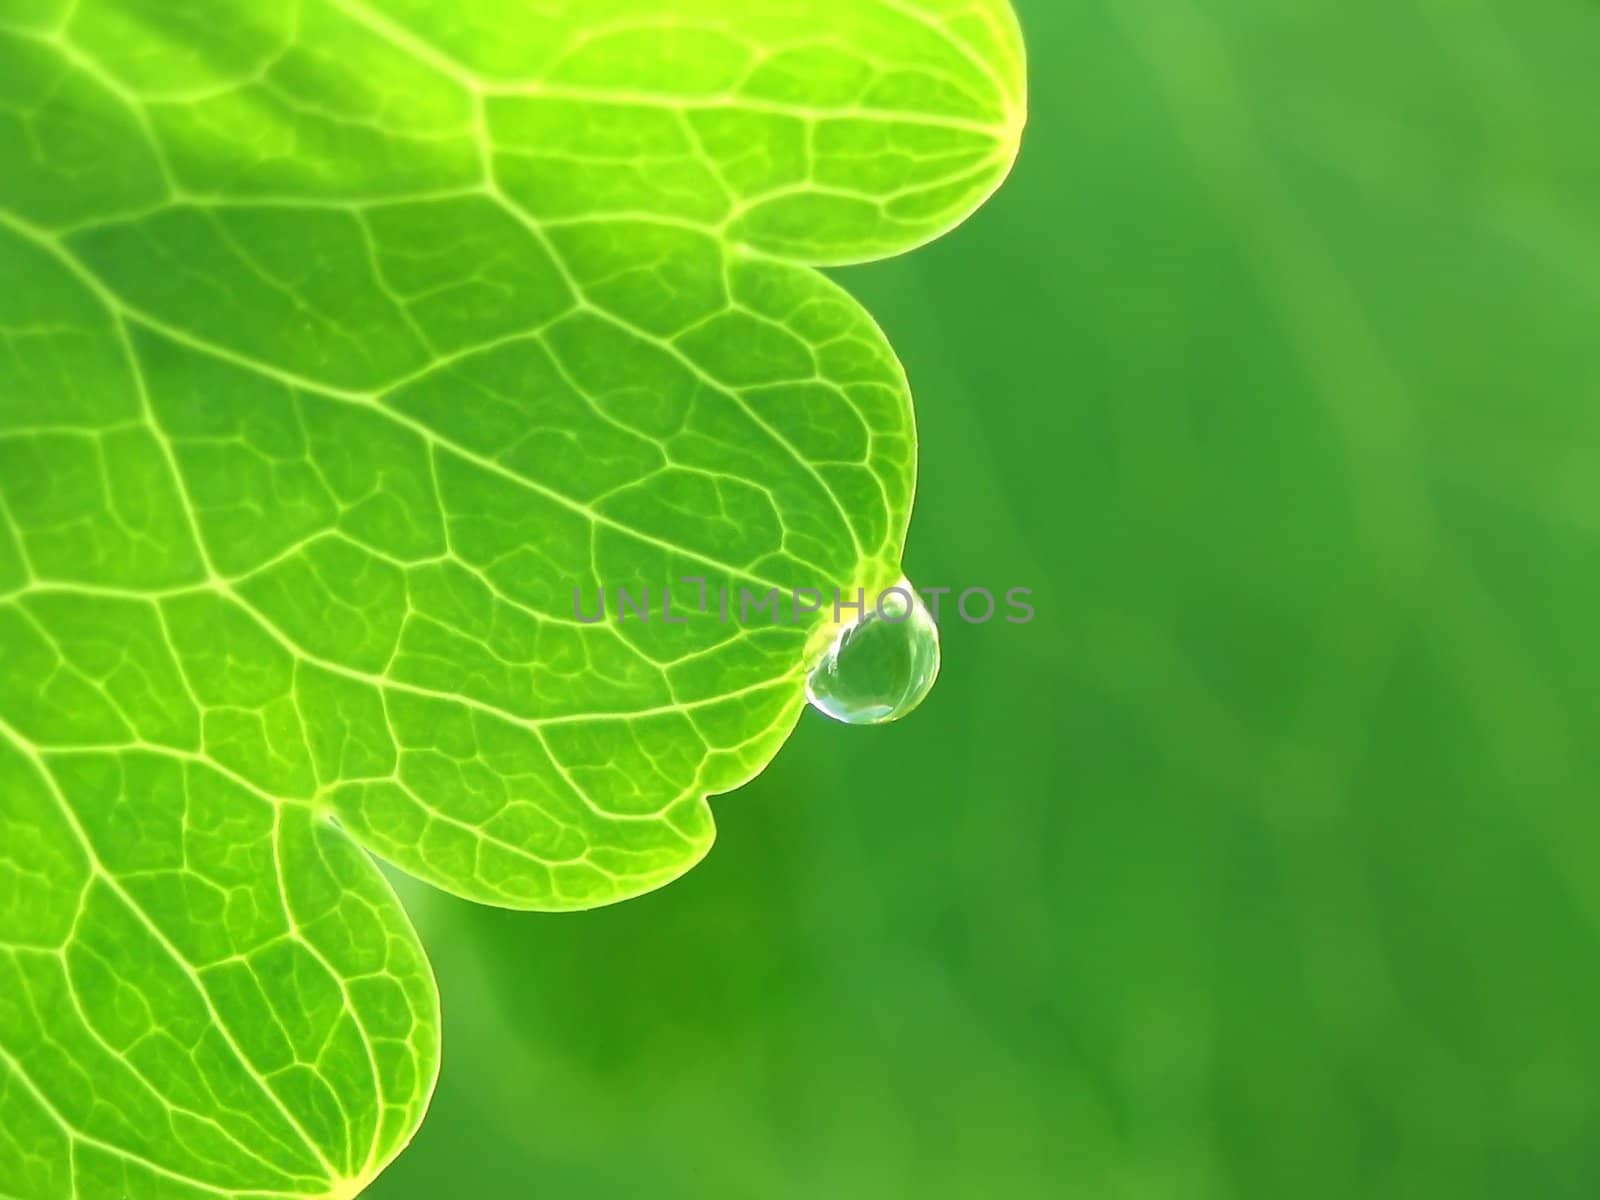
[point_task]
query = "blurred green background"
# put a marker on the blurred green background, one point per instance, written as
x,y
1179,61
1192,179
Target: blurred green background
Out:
x,y
1266,861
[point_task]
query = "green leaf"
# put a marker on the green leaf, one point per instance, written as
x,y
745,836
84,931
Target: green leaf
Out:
x,y
339,343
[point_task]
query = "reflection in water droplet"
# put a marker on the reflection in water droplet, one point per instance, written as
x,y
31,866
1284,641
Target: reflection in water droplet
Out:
x,y
881,667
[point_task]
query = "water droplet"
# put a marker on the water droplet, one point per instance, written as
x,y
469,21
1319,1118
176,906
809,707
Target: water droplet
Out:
x,y
882,666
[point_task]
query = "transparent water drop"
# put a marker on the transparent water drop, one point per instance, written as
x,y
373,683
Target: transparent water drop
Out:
x,y
881,667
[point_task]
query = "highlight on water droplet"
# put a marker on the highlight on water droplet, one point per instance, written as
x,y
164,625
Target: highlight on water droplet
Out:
x,y
882,666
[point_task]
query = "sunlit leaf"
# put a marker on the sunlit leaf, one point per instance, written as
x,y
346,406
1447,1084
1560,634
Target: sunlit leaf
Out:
x,y
341,343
